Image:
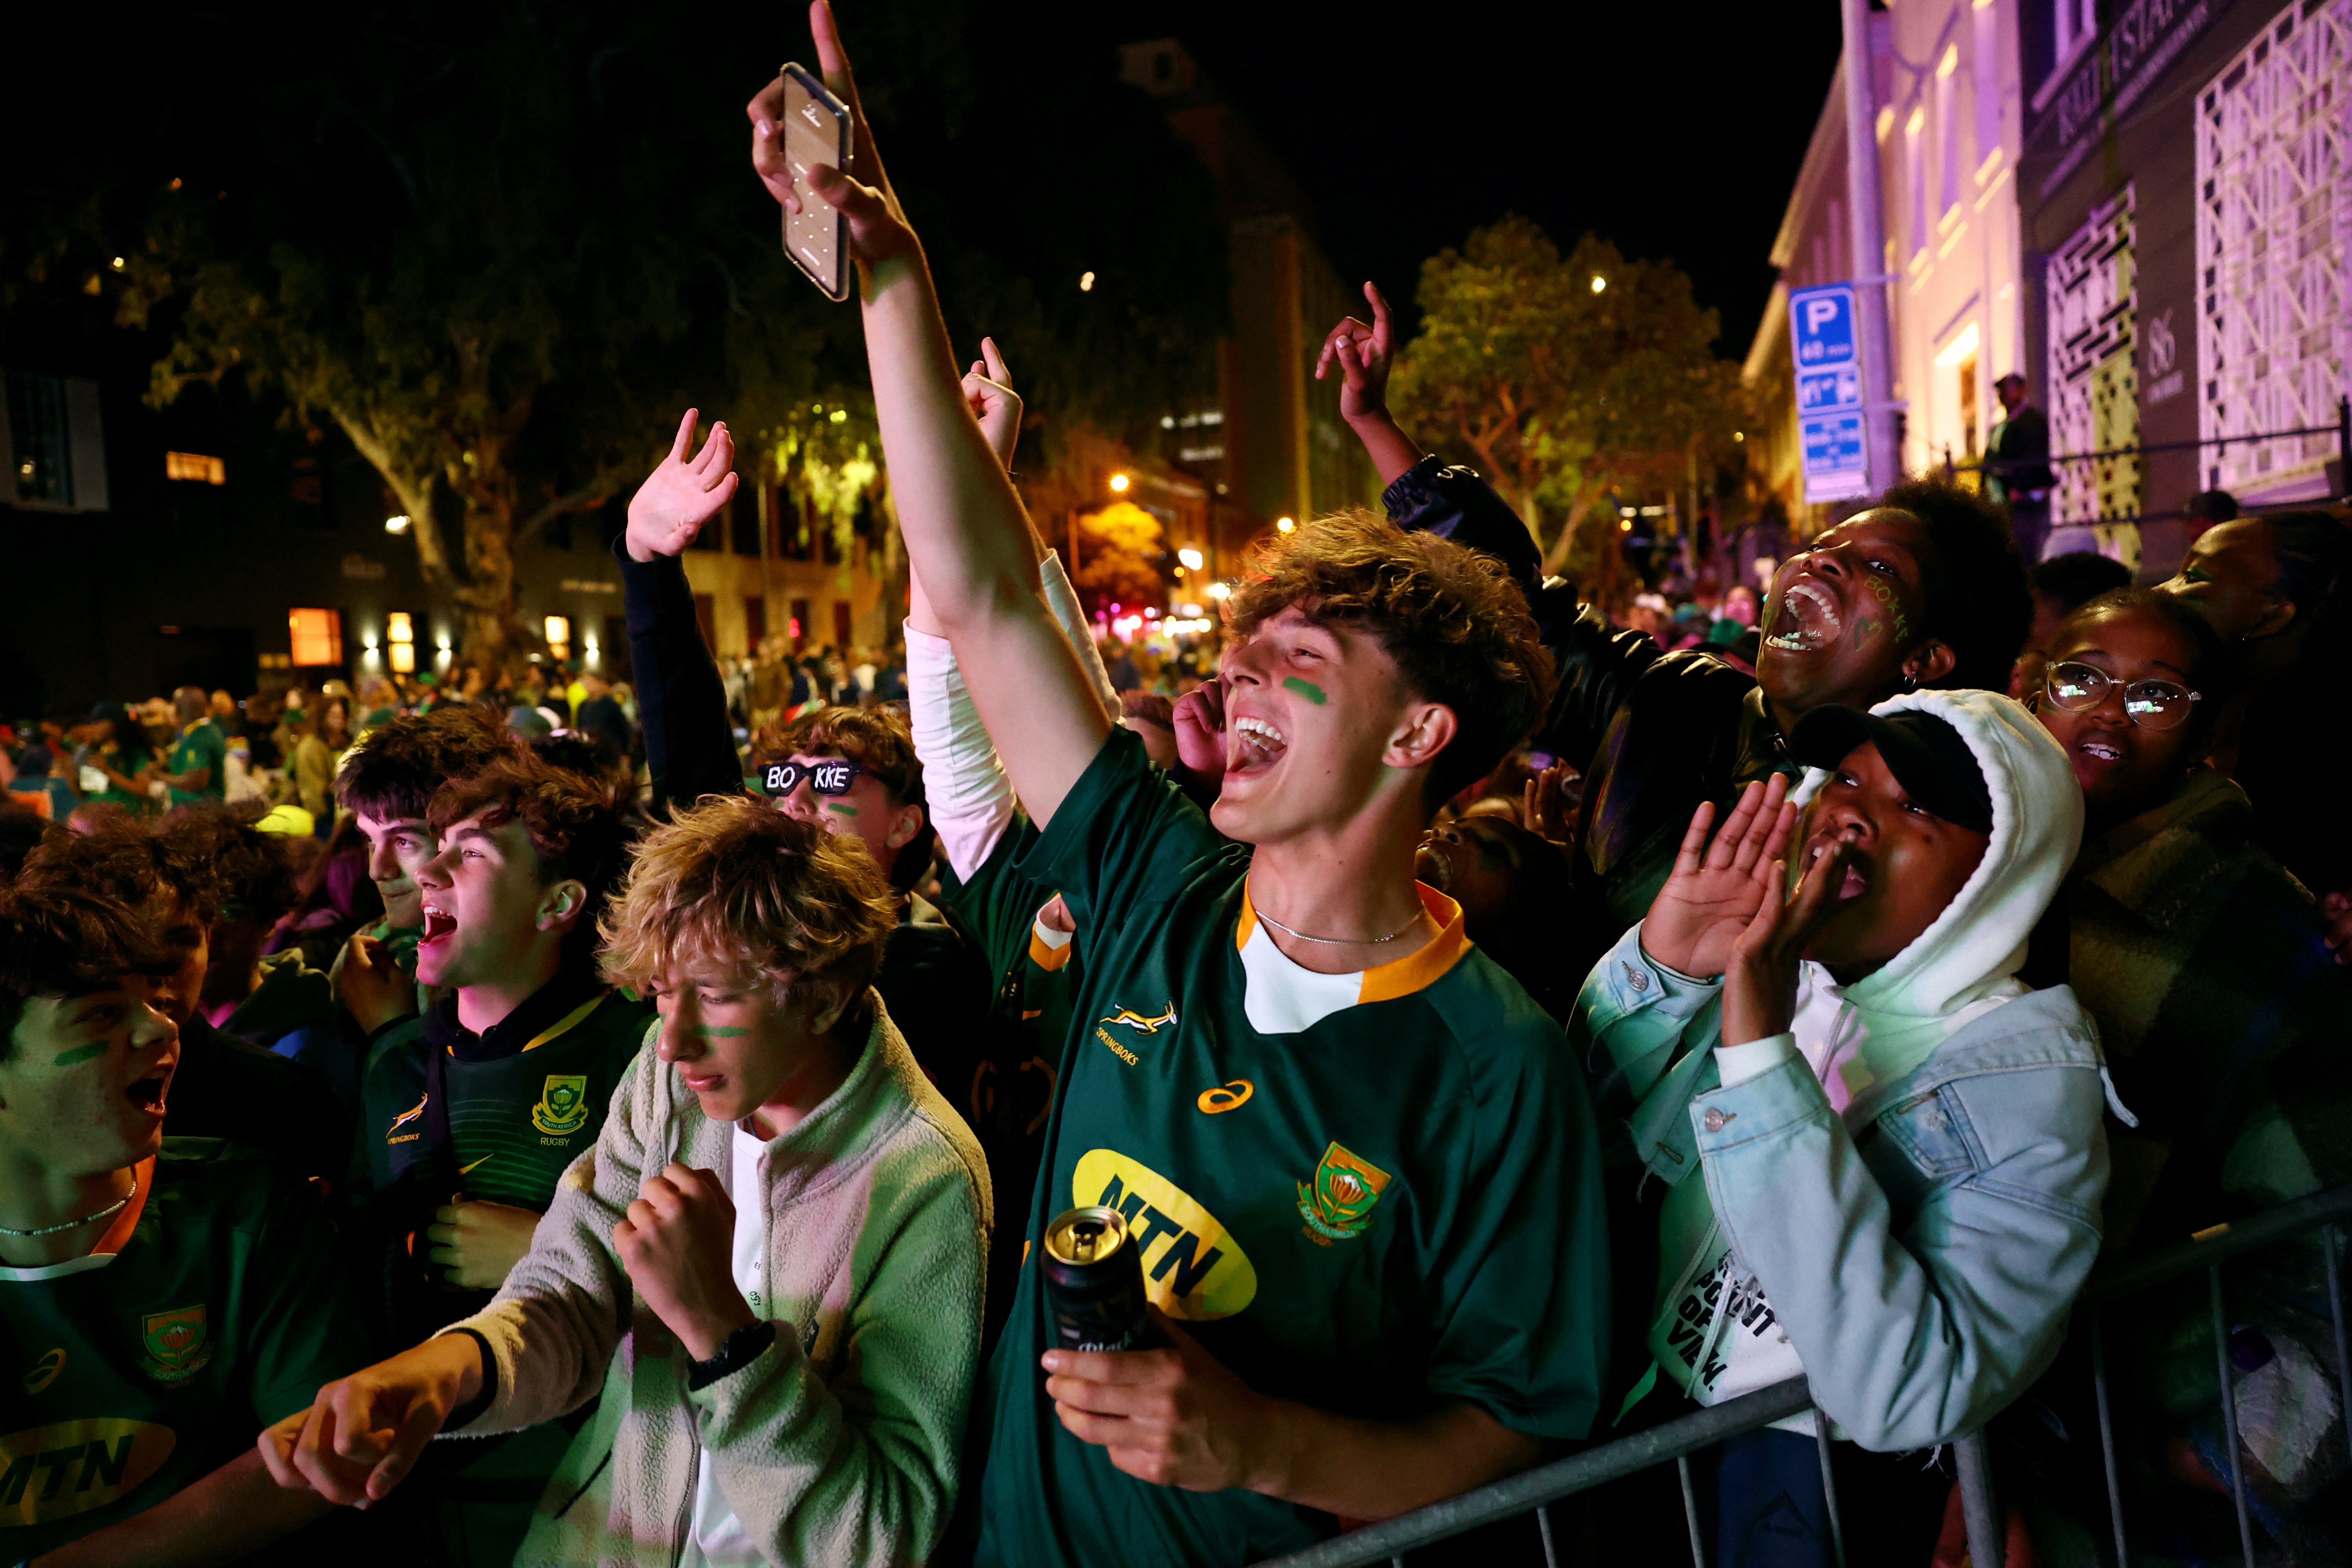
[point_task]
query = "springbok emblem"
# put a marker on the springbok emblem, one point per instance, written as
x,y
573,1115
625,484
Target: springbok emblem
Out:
x,y
1138,1022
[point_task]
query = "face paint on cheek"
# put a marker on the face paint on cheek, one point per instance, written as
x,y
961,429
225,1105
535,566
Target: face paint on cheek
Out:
x,y
1865,628
715,1031
79,1054
845,810
1306,689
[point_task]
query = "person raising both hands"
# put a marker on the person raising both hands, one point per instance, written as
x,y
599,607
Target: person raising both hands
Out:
x,y
1271,1006
1883,1154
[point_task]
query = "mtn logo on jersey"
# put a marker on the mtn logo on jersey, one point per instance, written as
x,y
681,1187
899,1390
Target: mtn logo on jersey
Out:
x,y
1130,1018
1191,1268
562,1105
1337,1205
175,1344
407,1117
71,1466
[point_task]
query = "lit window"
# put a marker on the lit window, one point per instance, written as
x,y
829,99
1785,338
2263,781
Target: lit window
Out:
x,y
398,627
403,657
195,466
317,635
559,628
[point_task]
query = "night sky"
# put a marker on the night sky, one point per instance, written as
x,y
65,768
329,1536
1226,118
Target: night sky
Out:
x,y
1674,131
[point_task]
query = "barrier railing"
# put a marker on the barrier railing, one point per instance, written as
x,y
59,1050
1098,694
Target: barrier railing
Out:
x,y
1676,1441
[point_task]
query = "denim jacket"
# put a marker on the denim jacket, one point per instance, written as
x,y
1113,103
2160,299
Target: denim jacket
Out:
x,y
1924,1283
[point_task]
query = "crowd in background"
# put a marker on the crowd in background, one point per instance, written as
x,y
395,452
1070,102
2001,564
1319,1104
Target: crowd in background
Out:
x,y
588,1120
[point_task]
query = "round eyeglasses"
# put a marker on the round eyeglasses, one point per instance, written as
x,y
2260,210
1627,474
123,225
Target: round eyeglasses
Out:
x,y
2150,704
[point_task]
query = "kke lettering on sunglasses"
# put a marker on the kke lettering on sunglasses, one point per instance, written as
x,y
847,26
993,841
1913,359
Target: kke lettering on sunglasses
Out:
x,y
831,775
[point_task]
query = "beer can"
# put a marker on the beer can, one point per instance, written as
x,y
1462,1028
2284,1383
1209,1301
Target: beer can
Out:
x,y
1094,1282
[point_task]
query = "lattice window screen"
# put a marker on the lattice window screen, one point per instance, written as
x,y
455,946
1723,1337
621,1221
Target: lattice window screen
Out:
x,y
2094,385
2273,213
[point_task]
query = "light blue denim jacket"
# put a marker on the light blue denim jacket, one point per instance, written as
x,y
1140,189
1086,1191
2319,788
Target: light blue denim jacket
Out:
x,y
1922,1250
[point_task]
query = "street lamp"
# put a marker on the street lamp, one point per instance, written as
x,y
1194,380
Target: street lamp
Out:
x,y
397,525
1192,558
1599,283
1283,524
1220,590
1118,483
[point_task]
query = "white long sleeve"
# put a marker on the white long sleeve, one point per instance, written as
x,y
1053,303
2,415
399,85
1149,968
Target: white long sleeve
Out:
x,y
964,785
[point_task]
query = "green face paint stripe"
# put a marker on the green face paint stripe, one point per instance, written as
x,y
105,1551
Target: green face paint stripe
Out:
x,y
79,1054
1306,689
716,1031
845,810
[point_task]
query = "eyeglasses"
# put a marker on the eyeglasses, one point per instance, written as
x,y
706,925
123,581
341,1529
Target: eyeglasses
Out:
x,y
2150,704
829,776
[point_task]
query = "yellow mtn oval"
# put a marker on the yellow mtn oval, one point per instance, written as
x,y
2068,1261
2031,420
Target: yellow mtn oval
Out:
x,y
1191,1268
71,1466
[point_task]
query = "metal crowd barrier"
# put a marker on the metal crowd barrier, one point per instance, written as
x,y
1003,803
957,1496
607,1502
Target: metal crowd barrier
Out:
x,y
1534,1490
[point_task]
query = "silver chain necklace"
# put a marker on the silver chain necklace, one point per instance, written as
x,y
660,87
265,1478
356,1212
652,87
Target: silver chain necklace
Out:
x,y
1336,941
114,1207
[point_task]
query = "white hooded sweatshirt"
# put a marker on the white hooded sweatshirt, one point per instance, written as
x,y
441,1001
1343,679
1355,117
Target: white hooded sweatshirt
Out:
x,y
1877,1030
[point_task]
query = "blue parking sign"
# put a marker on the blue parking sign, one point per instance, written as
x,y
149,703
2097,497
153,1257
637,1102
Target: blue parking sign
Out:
x,y
1829,393
1821,325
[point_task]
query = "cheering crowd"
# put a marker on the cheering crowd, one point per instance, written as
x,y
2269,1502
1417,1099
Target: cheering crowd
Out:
x,y
519,1125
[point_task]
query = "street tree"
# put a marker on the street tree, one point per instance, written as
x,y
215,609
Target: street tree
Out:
x,y
497,249
1121,550
1570,380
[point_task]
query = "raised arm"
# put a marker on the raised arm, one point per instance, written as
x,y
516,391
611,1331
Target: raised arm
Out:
x,y
967,535
690,745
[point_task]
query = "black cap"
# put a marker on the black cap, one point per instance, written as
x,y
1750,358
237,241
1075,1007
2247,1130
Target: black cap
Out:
x,y
1924,752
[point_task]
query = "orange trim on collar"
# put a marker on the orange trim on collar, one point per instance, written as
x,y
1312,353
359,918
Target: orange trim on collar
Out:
x,y
118,1234
1416,970
1428,965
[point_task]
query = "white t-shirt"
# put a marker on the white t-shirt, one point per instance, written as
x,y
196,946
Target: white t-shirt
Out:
x,y
716,1538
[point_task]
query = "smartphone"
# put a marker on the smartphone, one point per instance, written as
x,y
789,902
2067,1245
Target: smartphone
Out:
x,y
816,130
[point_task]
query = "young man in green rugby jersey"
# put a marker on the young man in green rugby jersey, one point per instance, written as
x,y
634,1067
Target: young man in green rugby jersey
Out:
x,y
387,781
162,1296
470,1113
1357,1160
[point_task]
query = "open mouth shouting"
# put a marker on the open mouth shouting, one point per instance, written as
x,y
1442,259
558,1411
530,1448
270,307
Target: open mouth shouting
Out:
x,y
147,1093
438,924
1857,874
1807,618
1252,746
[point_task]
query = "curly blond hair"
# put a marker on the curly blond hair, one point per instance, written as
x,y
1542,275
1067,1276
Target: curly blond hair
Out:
x,y
1456,625
737,884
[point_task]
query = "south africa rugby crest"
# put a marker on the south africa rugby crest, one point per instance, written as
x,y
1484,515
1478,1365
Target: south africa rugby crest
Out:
x,y
1337,1205
562,1105
174,1343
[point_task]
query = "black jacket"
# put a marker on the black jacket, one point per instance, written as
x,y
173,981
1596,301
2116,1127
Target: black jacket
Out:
x,y
1654,732
934,980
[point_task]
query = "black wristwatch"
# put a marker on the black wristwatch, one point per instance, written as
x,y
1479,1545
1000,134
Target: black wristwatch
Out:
x,y
739,1348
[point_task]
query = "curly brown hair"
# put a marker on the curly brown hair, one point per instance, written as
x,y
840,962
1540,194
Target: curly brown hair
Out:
x,y
392,773
129,861
1456,625
67,942
580,828
731,882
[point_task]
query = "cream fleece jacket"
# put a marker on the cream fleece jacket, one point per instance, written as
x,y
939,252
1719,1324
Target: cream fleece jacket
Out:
x,y
842,1441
